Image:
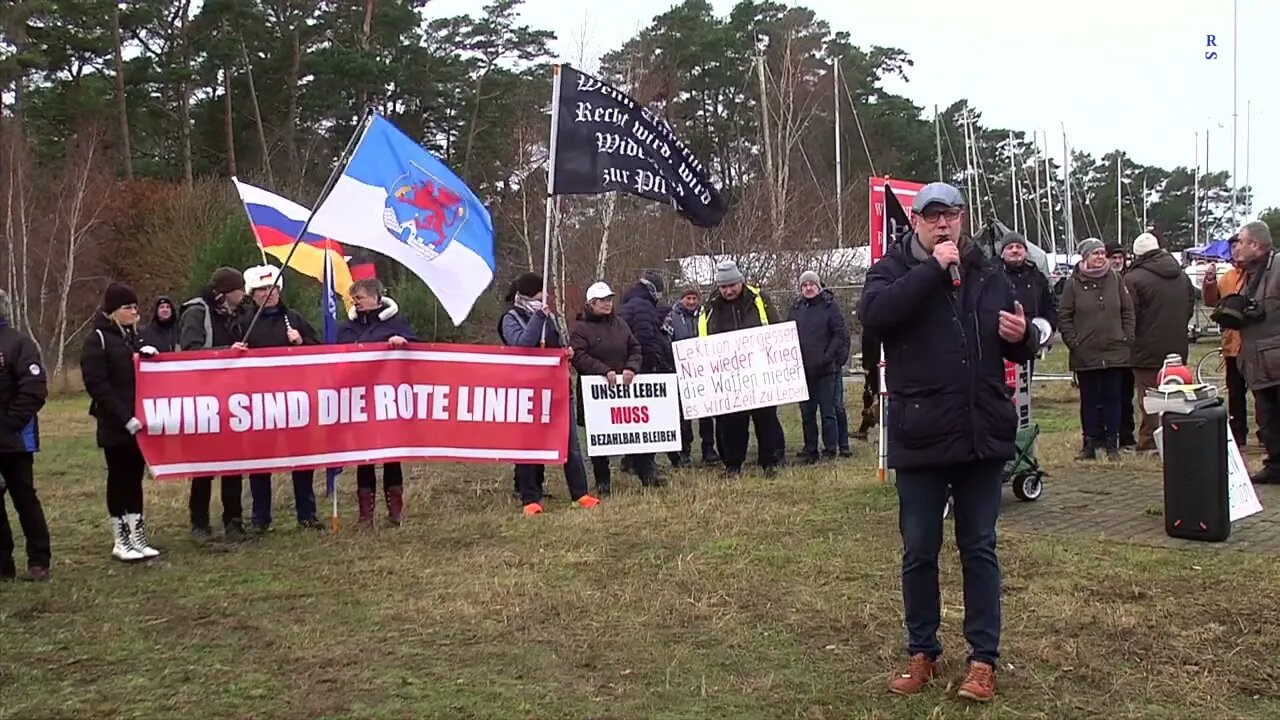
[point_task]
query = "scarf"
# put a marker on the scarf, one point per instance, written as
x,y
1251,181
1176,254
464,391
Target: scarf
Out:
x,y
652,290
527,304
1097,274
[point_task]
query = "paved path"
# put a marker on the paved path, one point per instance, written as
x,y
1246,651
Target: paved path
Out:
x,y
1128,505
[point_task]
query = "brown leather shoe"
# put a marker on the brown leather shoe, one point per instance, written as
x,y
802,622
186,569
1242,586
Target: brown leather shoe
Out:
x,y
913,678
980,684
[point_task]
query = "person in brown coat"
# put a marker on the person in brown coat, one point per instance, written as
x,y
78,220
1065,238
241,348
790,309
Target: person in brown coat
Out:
x,y
1163,302
604,345
1097,326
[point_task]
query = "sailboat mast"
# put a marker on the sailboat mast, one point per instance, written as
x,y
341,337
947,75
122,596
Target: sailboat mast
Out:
x,y
835,96
1048,198
1195,203
1119,204
1248,121
1013,184
968,172
1235,52
937,140
1070,234
1144,203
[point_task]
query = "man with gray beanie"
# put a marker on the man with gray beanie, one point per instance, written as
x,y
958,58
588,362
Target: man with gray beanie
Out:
x,y
1030,286
23,391
216,319
948,320
738,306
824,349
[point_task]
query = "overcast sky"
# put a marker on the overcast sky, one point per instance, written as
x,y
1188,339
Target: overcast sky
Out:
x,y
1118,73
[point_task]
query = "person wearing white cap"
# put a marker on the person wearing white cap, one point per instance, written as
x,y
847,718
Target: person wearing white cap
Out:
x,y
948,320
738,306
603,345
1163,302
277,326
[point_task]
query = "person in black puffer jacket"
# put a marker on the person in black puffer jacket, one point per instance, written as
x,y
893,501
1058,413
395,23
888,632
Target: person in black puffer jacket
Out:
x,y
23,391
640,311
277,326
1030,286
824,347
106,365
162,332
950,421
375,318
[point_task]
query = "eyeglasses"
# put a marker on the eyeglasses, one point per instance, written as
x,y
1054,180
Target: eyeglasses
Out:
x,y
931,215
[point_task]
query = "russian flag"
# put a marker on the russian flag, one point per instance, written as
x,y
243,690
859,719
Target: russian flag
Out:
x,y
276,222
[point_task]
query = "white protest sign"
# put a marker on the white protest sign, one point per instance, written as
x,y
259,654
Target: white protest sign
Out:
x,y
643,417
741,370
1241,497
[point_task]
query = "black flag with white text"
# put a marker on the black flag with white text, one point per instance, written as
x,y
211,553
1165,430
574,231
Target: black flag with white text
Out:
x,y
608,142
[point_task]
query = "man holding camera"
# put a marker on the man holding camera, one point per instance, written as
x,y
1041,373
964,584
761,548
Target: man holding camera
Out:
x,y
1254,310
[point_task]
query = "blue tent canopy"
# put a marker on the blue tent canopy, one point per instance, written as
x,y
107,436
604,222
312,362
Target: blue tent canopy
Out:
x,y
1219,249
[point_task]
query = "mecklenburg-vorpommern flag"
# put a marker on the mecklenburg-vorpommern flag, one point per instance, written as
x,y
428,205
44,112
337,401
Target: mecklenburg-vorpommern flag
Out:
x,y
276,222
395,198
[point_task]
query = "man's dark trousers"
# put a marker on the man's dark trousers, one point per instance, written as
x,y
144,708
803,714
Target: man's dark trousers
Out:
x,y
823,394
19,478
922,494
1238,401
733,435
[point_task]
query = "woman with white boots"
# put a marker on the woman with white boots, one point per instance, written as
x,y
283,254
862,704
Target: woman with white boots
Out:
x,y
106,365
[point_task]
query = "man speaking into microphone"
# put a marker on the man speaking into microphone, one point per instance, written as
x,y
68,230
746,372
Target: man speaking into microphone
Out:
x,y
948,320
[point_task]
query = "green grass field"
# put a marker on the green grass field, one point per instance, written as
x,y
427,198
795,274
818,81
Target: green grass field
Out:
x,y
708,599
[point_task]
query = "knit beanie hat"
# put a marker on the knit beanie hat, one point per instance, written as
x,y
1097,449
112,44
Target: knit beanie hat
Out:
x,y
727,273
687,290
1114,248
809,276
1145,243
1088,245
226,279
117,296
654,280
1011,238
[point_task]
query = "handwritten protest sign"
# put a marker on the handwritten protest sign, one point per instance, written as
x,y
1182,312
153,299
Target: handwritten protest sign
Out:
x,y
741,370
643,417
212,412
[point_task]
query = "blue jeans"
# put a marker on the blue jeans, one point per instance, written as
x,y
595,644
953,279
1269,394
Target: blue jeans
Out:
x,y
975,489
304,496
823,393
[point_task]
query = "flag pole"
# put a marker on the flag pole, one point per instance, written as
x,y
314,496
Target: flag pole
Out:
x,y
882,439
551,189
338,167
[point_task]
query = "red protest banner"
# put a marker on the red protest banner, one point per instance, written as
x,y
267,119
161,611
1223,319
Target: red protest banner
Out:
x,y
223,411
904,190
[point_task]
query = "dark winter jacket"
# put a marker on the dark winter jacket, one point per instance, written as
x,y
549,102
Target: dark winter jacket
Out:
x,y
1032,289
640,311
948,401
824,335
1097,322
271,329
374,326
162,334
684,323
722,316
1163,301
200,329
870,350
524,329
106,365
23,391
603,344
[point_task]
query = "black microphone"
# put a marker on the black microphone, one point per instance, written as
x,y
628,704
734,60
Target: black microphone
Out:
x,y
955,275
